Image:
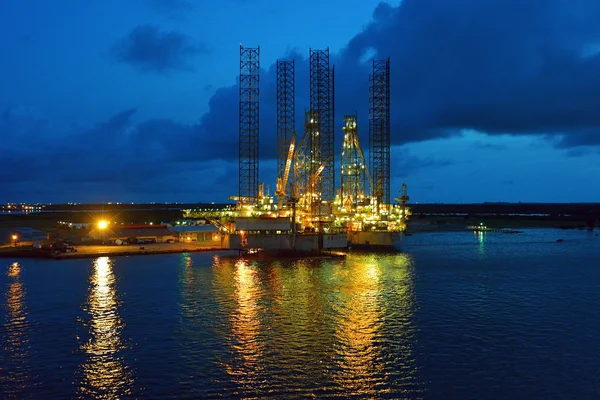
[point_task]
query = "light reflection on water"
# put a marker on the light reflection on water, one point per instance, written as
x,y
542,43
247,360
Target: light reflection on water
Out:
x,y
480,316
359,318
481,240
15,371
104,374
304,328
246,367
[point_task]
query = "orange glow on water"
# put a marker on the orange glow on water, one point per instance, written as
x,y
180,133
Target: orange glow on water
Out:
x,y
16,343
104,373
245,325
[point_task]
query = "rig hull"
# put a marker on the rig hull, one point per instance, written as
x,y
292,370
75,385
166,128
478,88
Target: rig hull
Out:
x,y
302,243
374,239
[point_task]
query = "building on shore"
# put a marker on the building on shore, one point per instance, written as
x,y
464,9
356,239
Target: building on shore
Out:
x,y
75,225
205,234
135,233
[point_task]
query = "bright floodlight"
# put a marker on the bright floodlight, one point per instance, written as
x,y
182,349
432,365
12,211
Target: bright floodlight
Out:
x,y
14,237
102,224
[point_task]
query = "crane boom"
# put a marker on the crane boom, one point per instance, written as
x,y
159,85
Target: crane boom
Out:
x,y
282,181
288,163
313,178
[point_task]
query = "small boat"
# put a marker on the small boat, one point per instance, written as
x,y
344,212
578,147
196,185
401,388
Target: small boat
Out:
x,y
479,228
510,230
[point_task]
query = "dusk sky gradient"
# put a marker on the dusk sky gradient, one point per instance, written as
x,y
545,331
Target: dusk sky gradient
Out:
x,y
137,100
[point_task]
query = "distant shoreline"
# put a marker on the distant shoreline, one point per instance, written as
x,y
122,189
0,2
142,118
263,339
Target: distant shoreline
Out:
x,y
454,224
445,228
93,251
84,251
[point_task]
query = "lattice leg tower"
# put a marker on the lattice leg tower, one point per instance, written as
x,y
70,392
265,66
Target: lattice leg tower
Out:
x,y
286,119
248,124
379,133
322,104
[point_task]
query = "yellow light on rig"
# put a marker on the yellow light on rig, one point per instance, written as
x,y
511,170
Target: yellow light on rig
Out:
x,y
102,224
14,237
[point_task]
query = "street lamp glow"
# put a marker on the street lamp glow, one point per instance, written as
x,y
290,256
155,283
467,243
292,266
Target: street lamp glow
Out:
x,y
14,237
102,224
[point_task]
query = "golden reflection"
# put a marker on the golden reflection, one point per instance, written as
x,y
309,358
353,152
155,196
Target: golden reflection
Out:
x,y
16,343
301,300
348,322
105,375
245,325
359,321
375,293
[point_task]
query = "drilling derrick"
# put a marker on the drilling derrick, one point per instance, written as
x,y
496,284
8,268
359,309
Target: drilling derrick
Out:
x,y
354,174
401,210
321,109
379,134
248,125
307,163
300,220
403,199
286,122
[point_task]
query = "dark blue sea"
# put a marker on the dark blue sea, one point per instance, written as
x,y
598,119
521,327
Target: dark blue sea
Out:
x,y
454,316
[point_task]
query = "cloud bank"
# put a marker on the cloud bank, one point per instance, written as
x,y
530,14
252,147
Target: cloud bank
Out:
x,y
496,66
150,49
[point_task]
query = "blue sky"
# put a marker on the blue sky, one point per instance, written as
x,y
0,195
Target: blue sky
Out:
x,y
137,100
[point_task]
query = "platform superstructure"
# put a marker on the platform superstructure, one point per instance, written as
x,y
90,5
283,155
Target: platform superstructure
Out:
x,y
307,213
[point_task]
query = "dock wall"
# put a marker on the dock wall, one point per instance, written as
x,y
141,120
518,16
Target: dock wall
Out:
x,y
304,242
371,239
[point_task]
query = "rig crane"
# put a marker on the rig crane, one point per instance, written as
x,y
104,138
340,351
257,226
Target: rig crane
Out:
x,y
403,199
282,181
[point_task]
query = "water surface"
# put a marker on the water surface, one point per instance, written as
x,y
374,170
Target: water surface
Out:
x,y
456,315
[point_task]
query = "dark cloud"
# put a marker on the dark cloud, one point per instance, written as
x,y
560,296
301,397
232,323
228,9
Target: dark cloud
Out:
x,y
109,161
581,151
501,66
150,49
404,164
479,145
498,66
579,137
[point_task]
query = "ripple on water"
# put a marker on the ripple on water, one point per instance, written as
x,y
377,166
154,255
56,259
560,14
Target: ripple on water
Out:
x,y
457,316
15,368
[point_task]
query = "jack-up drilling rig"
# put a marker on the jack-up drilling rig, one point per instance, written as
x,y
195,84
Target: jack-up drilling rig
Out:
x,y
306,215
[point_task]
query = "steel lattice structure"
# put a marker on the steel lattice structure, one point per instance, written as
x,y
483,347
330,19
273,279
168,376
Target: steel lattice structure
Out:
x,y
248,124
379,132
305,163
286,114
353,171
322,105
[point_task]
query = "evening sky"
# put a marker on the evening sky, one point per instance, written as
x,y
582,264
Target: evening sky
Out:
x,y
137,100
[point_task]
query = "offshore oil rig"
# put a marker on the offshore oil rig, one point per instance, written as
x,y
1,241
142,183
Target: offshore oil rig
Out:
x,y
308,213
